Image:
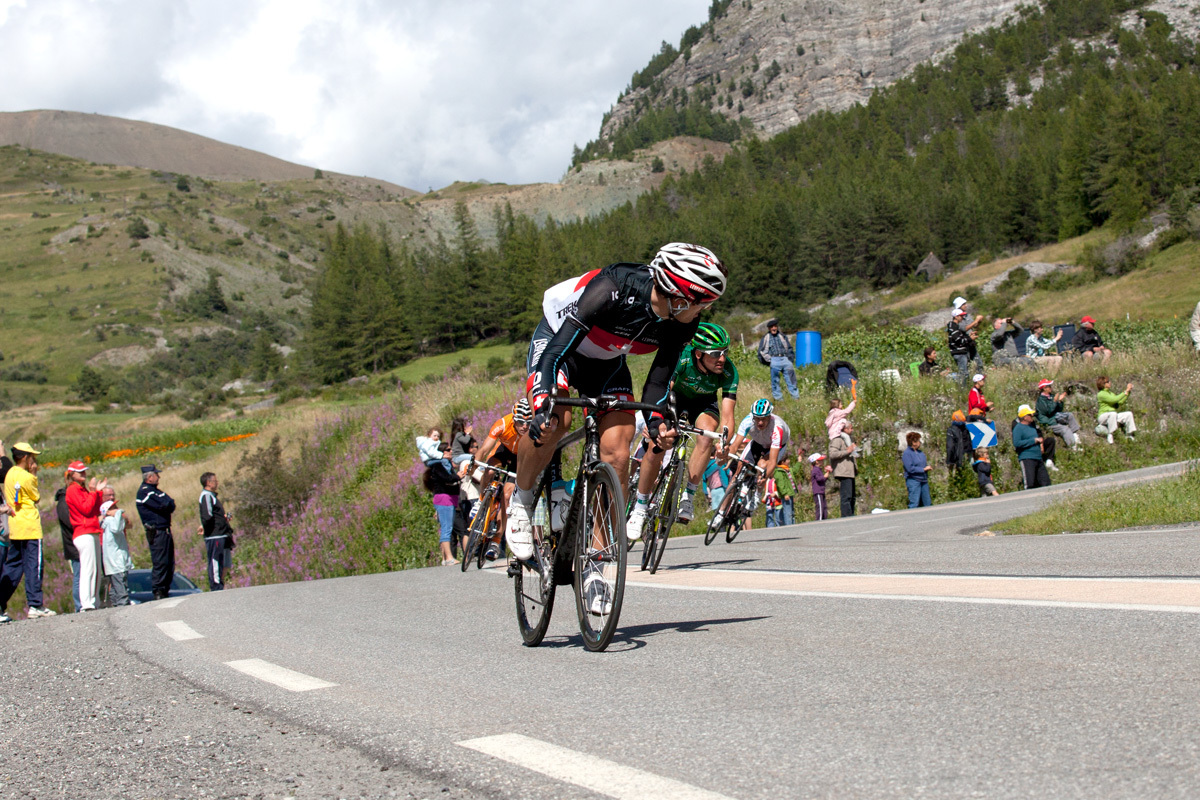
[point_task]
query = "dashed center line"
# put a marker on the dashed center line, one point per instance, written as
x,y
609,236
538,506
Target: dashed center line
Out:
x,y
179,630
590,772
282,677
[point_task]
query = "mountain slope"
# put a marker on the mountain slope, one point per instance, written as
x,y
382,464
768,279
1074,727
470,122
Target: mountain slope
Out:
x,y
112,140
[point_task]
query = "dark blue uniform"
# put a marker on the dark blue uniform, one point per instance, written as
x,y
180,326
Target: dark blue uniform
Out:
x,y
155,508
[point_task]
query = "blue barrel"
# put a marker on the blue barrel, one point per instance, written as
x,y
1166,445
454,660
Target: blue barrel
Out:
x,y
808,348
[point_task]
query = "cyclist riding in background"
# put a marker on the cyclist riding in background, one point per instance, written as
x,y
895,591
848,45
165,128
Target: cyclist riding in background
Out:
x,y
590,324
499,449
704,369
766,436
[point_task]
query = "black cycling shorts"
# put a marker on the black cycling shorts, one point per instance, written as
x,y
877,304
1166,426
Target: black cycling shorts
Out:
x,y
504,458
695,406
591,377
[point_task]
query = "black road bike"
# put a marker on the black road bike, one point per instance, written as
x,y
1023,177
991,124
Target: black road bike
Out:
x,y
741,498
588,550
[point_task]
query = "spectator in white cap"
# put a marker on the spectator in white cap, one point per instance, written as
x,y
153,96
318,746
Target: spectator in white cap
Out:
x,y
978,406
960,342
820,473
117,561
1052,414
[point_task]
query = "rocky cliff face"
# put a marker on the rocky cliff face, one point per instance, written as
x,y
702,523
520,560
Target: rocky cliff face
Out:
x,y
831,54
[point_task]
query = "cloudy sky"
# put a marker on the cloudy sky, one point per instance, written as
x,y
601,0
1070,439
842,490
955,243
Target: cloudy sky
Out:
x,y
418,92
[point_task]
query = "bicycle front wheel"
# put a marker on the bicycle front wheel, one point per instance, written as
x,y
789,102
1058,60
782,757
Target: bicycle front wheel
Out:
x,y
668,503
600,557
535,588
733,525
479,524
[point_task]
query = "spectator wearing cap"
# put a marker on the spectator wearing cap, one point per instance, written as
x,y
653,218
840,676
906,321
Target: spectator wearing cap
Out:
x,y
23,557
1027,441
218,533
1005,331
1038,346
155,508
83,503
820,474
978,406
916,472
961,345
1112,410
776,350
1088,342
117,561
1052,414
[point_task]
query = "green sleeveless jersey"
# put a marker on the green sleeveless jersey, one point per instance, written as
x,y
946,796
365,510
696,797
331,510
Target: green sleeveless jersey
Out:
x,y
691,382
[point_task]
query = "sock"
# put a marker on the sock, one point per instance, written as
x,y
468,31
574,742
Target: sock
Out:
x,y
524,497
691,489
643,499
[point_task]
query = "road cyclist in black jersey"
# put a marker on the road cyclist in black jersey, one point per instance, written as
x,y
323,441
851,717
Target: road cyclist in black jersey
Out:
x,y
704,369
590,324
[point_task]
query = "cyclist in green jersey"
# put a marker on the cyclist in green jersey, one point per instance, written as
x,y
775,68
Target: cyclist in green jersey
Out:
x,y
703,369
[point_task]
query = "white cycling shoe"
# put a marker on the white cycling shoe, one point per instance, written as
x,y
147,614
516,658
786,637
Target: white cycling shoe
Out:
x,y
685,513
598,593
519,532
637,521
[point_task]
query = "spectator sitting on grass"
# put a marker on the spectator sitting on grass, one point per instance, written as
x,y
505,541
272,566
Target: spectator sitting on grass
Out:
x,y
1027,441
1004,344
1037,346
1112,410
1051,414
983,472
1088,342
930,365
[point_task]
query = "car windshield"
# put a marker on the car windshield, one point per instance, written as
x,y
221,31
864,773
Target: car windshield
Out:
x,y
139,581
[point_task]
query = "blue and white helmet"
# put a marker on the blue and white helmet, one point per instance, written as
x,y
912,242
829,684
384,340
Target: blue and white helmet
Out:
x,y
762,408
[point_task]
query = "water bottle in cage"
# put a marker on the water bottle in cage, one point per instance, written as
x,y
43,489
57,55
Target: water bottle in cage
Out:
x,y
560,503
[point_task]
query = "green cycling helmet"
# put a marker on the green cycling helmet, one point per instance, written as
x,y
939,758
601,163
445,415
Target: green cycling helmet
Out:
x,y
710,337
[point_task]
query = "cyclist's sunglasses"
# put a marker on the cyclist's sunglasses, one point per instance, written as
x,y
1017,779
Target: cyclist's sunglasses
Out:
x,y
714,353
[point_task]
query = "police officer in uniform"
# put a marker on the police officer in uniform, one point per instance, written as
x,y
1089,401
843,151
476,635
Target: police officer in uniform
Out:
x,y
155,507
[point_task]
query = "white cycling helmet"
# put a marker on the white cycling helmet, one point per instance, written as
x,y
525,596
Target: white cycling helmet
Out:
x,y
689,271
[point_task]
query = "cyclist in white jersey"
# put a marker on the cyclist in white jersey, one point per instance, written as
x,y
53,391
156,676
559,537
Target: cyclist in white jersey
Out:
x,y
766,437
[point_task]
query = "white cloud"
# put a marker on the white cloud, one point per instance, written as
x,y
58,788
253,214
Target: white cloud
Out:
x,y
420,93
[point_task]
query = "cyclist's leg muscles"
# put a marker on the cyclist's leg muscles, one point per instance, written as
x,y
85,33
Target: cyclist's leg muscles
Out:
x,y
651,466
616,434
703,449
532,460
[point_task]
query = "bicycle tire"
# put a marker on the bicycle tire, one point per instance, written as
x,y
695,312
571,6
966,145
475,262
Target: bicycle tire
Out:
x,y
602,517
666,515
475,531
493,521
535,606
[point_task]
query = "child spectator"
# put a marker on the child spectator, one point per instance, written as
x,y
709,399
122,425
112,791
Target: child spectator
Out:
x,y
929,366
117,561
820,473
1112,410
715,481
983,472
433,450
835,420
978,406
779,497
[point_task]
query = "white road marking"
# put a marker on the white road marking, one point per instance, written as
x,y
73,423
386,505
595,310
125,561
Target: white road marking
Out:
x,y
1129,531
179,630
280,676
596,774
950,576
937,599
170,603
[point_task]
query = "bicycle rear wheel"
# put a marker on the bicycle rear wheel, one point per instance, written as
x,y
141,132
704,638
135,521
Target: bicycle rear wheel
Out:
x,y
535,589
479,523
715,525
733,525
489,532
600,558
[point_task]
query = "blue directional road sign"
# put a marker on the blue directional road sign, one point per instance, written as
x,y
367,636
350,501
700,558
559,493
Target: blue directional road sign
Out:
x,y
983,434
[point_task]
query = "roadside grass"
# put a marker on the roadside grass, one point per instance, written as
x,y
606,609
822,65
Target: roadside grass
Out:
x,y
1166,502
434,367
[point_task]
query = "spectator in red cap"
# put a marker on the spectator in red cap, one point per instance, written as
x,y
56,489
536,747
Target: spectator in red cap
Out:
x,y
1088,342
83,504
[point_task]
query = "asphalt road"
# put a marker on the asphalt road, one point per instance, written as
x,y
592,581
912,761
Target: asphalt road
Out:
x,y
891,655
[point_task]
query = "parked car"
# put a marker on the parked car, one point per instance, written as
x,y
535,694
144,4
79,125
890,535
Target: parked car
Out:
x,y
140,592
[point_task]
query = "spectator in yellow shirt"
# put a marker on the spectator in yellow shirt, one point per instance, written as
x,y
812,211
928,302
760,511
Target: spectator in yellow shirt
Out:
x,y
24,556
